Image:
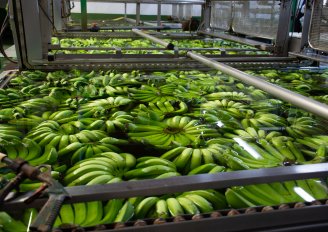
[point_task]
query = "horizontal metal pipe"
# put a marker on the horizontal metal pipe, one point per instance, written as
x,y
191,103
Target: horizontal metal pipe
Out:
x,y
150,187
129,20
250,42
296,99
167,45
150,24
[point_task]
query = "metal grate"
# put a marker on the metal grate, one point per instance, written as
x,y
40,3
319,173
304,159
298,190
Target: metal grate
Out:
x,y
318,36
221,15
256,18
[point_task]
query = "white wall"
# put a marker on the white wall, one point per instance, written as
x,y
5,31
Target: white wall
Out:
x,y
118,8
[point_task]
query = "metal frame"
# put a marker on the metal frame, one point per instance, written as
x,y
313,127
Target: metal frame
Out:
x,y
299,100
306,218
178,184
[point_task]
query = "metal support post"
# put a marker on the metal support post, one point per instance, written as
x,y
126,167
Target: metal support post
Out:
x,y
138,13
84,15
306,24
159,13
283,29
206,14
167,45
296,99
125,10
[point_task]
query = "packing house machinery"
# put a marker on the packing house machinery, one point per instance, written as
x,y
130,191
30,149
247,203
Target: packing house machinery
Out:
x,y
230,105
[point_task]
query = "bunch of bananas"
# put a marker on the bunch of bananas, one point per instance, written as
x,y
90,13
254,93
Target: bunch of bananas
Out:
x,y
51,132
220,119
315,147
37,105
209,168
304,127
251,134
107,167
6,114
235,109
9,135
163,109
187,159
248,155
233,96
95,213
102,107
31,151
264,120
118,121
193,202
177,130
268,105
154,94
275,193
149,167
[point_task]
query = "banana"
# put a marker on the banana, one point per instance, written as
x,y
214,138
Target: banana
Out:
x,y
296,152
174,207
11,151
34,149
67,214
196,159
204,205
94,213
84,179
188,206
318,189
173,153
155,161
9,224
162,209
205,168
22,151
207,156
167,175
49,156
103,179
78,155
63,143
130,160
70,148
217,169
237,201
85,169
80,213
55,141
120,161
125,213
111,210
282,148
148,171
182,160
217,199
142,209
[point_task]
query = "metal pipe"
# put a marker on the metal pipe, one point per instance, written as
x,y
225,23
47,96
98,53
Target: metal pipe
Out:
x,y
138,20
149,24
169,46
159,13
261,45
84,15
132,21
296,99
177,184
